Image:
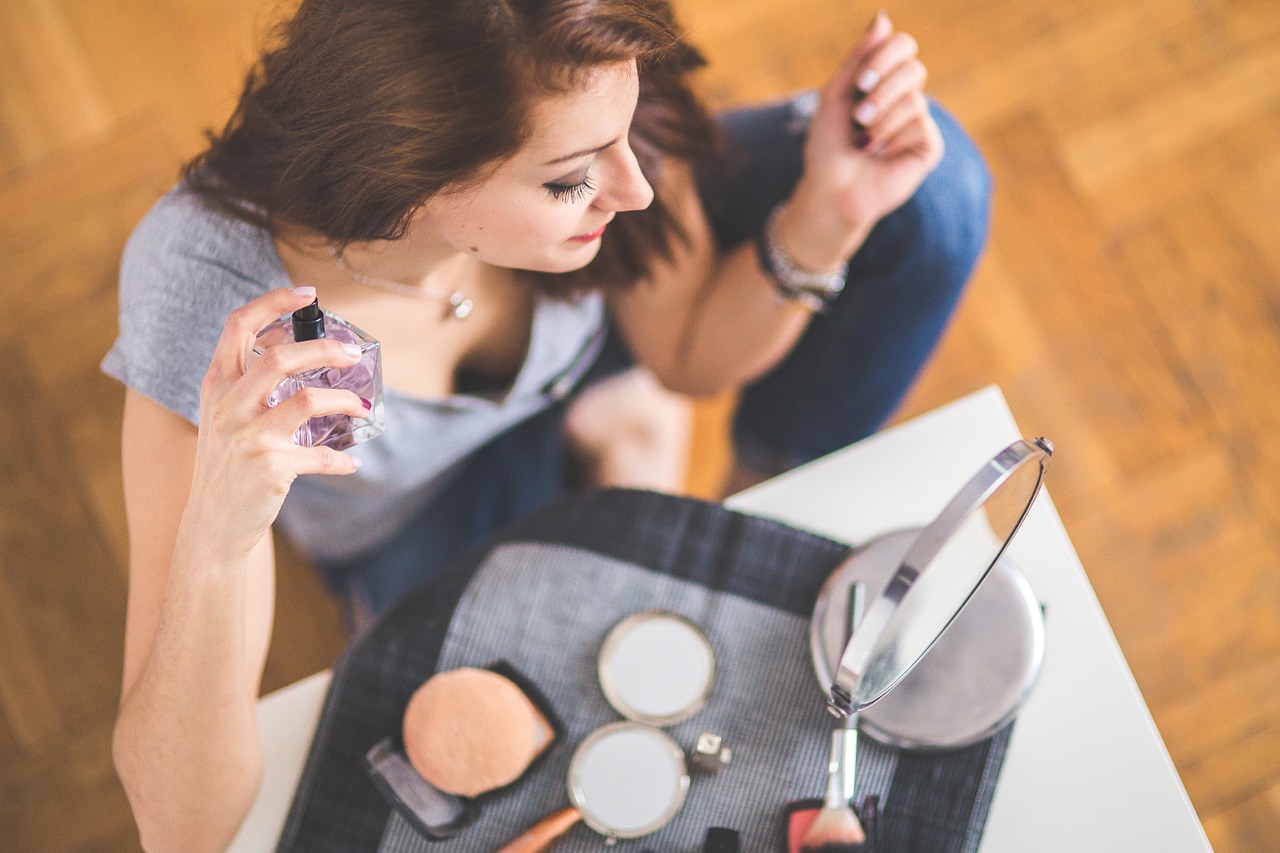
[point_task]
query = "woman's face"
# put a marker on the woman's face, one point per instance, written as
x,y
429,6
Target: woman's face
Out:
x,y
546,208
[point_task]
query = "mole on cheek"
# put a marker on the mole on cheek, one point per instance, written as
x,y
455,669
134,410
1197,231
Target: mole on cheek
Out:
x,y
475,248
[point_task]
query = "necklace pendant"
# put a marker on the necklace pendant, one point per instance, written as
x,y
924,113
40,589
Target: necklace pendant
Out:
x,y
459,305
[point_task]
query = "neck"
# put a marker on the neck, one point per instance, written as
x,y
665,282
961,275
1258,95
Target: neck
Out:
x,y
433,266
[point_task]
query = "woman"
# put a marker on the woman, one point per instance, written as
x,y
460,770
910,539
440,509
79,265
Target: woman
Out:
x,y
548,162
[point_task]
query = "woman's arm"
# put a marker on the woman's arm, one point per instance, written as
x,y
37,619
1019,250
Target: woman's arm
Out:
x,y
731,326
704,322
201,578
196,638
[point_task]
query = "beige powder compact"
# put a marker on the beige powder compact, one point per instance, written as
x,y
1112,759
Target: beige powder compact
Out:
x,y
466,733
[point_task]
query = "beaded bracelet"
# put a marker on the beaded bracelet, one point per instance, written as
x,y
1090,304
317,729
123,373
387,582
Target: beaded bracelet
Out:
x,y
815,291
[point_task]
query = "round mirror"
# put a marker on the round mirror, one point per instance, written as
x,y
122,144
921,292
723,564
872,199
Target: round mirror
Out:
x,y
938,574
656,668
627,780
972,681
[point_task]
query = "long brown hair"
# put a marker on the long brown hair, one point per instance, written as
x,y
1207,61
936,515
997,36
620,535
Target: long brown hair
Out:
x,y
363,109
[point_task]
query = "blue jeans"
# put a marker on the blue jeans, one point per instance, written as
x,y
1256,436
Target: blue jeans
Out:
x,y
840,383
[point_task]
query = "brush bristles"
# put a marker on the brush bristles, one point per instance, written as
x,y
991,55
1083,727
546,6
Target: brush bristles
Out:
x,y
834,831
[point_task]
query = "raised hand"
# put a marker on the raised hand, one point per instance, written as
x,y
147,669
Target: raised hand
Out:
x,y
246,455
871,143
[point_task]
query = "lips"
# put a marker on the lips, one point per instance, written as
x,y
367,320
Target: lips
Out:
x,y
591,237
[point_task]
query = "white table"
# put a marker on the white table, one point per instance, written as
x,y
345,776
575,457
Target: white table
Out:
x,y
1086,768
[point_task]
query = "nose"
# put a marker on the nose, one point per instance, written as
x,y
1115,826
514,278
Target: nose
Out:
x,y
626,187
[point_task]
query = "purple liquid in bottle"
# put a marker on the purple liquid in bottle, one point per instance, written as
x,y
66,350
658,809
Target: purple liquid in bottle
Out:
x,y
364,378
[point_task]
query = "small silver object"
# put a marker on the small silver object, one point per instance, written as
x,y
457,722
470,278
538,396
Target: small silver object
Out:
x,y
459,305
710,753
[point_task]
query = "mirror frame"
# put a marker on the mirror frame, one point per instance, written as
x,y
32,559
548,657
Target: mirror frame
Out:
x,y
866,642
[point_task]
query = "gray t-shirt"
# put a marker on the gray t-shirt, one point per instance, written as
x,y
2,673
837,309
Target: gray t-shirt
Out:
x,y
186,267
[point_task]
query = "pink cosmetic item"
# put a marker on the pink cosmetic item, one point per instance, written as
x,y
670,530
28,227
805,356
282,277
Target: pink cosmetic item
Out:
x,y
799,816
835,827
364,378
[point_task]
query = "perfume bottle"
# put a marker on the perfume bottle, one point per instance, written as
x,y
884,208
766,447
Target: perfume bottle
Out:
x,y
364,378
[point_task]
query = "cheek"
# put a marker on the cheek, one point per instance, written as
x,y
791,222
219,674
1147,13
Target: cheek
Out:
x,y
510,228
541,224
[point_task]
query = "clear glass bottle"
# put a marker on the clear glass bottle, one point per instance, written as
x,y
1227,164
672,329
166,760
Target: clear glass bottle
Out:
x,y
364,378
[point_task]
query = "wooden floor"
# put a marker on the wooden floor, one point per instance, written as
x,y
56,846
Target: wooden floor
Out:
x,y
1129,306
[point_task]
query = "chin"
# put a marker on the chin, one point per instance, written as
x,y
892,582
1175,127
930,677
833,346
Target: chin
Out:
x,y
570,261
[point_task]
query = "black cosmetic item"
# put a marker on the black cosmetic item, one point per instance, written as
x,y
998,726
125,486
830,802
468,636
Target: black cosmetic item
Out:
x,y
308,322
721,840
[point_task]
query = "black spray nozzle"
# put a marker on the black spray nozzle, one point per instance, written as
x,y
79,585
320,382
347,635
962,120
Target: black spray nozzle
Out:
x,y
308,322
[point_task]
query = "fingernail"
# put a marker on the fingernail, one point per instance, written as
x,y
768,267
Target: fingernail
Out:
x,y
868,80
367,405
865,112
356,461
305,292
352,350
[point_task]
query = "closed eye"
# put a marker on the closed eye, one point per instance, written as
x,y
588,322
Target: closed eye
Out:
x,y
569,193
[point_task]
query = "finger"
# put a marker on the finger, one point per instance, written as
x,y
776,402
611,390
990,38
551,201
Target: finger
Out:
x,y
309,403
888,124
891,91
919,135
268,370
843,82
883,59
325,460
243,324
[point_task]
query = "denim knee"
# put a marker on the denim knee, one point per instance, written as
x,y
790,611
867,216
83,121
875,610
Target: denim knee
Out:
x,y
853,365
948,217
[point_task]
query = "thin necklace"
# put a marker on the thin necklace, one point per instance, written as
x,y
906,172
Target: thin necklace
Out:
x,y
457,304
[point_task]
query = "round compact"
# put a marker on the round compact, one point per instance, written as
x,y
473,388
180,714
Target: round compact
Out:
x,y
467,731
656,668
627,780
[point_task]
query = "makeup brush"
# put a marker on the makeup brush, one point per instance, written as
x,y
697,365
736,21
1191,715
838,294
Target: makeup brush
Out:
x,y
836,829
853,617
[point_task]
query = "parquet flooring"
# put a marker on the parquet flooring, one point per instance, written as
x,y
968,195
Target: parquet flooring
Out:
x,y
1129,306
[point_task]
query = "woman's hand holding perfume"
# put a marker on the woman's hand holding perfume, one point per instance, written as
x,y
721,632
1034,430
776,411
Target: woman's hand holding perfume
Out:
x,y
246,453
186,743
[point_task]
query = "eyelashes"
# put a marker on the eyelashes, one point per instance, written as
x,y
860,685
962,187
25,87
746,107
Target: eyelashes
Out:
x,y
569,193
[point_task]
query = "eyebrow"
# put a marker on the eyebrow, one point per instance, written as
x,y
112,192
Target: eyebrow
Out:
x,y
575,155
